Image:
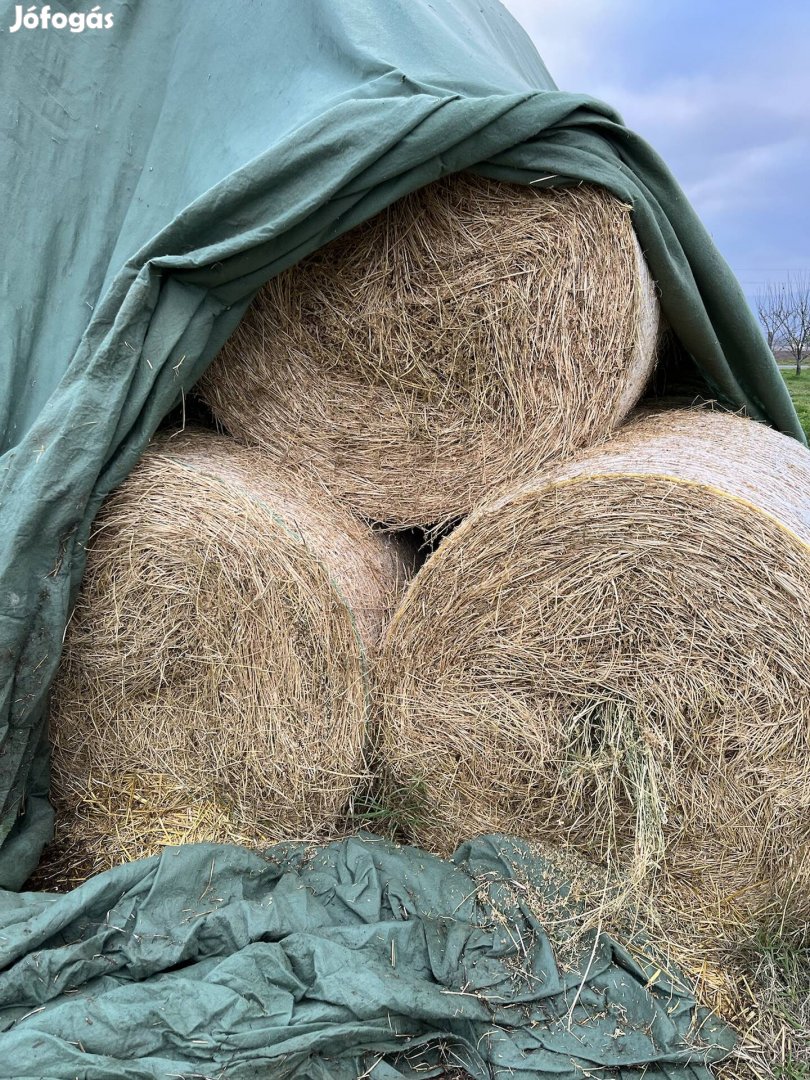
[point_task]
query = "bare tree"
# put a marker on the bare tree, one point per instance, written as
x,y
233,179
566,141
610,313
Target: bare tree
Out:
x,y
796,327
771,303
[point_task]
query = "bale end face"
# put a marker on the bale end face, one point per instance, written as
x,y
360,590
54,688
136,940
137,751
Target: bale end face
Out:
x,y
464,337
616,655
215,679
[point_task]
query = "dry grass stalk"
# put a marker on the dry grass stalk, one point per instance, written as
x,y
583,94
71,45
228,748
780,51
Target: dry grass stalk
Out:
x,y
616,655
465,336
743,968
214,684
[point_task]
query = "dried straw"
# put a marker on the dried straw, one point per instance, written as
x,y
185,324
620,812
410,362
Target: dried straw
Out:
x,y
750,972
460,339
214,683
616,654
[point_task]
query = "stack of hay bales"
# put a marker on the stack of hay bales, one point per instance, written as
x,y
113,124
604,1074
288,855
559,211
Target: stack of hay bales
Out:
x,y
215,682
609,653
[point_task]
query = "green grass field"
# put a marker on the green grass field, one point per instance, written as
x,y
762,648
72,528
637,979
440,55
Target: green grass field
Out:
x,y
799,388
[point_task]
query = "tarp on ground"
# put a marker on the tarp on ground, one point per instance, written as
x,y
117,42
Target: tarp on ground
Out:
x,y
357,960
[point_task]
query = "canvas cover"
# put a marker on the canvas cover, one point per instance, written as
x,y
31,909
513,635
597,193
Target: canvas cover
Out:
x,y
361,959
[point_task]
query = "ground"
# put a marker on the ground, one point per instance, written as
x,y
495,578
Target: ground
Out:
x,y
799,387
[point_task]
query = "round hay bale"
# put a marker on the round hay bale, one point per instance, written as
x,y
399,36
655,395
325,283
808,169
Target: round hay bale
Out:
x,y
463,337
616,654
214,682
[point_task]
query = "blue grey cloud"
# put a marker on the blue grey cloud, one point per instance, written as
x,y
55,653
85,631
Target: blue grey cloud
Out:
x,y
721,90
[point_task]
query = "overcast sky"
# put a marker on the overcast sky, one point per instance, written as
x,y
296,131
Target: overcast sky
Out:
x,y
721,88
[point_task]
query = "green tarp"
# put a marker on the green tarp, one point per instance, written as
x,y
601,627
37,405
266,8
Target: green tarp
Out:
x,y
360,960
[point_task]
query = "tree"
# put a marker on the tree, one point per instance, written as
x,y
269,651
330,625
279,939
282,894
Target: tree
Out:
x,y
784,311
771,308
796,329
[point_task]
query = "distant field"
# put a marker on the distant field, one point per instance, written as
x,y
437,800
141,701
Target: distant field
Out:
x,y
799,388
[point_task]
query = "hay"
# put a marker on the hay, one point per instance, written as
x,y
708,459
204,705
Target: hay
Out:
x,y
616,655
214,683
749,973
471,332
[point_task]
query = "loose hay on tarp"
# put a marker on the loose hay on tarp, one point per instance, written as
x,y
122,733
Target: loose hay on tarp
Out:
x,y
214,683
617,654
463,337
722,955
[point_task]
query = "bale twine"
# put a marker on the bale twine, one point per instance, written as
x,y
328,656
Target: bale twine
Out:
x,y
463,337
616,655
214,678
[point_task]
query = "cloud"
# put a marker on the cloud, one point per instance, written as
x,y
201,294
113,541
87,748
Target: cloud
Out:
x,y
721,93
570,34
646,64
685,103
743,179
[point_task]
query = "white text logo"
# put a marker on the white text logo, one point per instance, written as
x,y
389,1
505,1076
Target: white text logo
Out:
x,y
35,18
